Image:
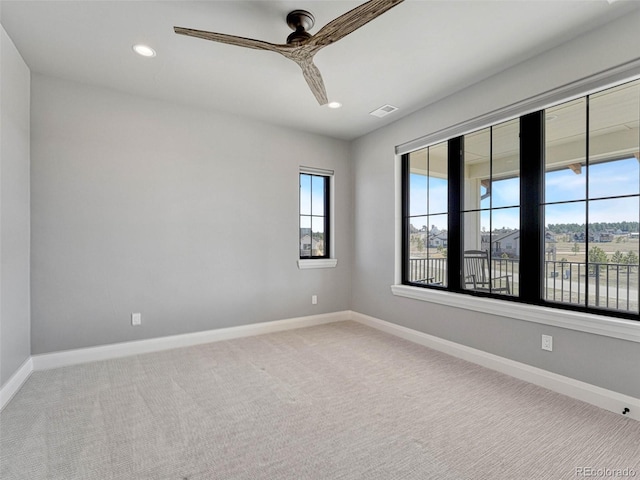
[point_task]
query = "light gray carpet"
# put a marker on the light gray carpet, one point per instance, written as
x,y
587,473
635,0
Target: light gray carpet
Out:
x,y
338,401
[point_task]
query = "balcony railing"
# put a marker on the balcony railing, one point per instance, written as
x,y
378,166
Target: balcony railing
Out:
x,y
601,285
430,271
605,285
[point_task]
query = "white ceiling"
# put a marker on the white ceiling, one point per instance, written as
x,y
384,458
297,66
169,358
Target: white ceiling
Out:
x,y
413,55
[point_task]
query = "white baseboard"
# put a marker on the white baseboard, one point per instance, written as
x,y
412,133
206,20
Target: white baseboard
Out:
x,y
48,361
600,397
66,358
14,383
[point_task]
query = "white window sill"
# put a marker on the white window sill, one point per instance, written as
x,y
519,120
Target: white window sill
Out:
x,y
583,322
317,263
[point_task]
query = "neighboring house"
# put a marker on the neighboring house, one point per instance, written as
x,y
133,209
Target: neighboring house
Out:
x,y
506,243
310,246
502,242
438,240
595,237
602,237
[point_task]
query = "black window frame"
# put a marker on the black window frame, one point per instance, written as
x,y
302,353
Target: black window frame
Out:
x,y
326,215
532,202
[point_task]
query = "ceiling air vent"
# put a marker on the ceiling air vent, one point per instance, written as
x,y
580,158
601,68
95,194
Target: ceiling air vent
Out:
x,y
383,111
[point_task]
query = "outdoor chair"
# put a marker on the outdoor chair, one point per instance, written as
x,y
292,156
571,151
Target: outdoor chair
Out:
x,y
476,274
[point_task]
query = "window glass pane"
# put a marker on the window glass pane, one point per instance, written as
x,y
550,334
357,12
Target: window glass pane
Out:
x,y
565,151
614,141
477,226
613,254
317,236
438,241
564,262
418,183
608,179
317,194
305,236
418,234
438,179
305,194
490,275
505,164
428,250
491,233
505,251
427,220
418,267
477,149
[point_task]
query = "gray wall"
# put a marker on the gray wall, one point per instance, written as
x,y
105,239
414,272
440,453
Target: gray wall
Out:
x,y
186,216
601,361
14,210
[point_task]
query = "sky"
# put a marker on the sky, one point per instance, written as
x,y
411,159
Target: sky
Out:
x,y
312,202
608,179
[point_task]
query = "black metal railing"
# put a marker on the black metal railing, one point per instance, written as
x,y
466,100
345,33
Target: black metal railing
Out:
x,y
602,285
429,271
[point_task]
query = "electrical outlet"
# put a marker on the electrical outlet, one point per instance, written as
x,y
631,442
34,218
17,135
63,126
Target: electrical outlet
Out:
x,y
136,319
547,342
314,299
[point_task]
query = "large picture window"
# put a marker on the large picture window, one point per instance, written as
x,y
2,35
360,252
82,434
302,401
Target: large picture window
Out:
x,y
542,209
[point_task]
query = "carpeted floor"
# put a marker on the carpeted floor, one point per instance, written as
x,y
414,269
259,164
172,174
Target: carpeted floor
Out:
x,y
338,401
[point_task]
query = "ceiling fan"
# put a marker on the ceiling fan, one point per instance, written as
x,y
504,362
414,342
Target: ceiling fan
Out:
x,y
301,46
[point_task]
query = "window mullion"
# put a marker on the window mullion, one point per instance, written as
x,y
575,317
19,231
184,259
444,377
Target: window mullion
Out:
x,y
455,203
405,219
327,232
531,198
586,205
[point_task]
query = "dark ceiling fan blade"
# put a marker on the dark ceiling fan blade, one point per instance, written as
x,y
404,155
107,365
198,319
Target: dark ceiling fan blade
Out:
x,y
231,39
314,80
350,22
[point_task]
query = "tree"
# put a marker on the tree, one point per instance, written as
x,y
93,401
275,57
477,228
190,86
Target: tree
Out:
x,y
576,248
597,255
617,257
631,258
417,243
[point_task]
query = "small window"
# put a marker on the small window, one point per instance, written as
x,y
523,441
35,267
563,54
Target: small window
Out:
x,y
314,239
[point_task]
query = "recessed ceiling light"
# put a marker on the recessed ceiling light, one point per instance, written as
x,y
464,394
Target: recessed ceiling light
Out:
x,y
144,50
334,105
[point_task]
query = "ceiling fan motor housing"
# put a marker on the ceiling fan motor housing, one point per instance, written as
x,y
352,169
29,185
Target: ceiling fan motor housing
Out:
x,y
299,21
